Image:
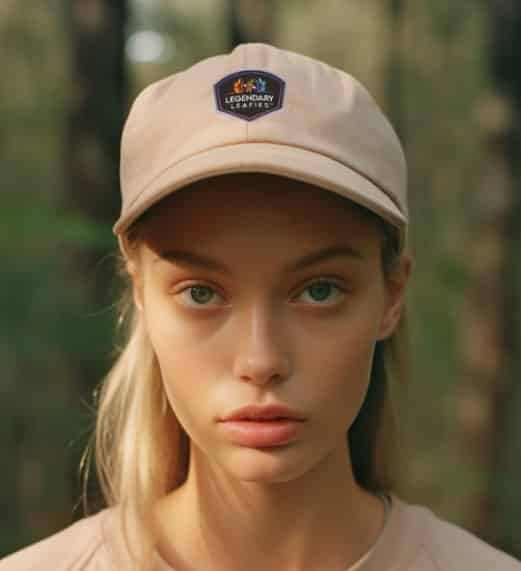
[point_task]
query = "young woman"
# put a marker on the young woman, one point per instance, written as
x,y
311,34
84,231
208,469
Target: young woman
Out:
x,y
247,423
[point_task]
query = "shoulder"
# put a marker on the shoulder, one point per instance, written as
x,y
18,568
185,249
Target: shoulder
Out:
x,y
78,547
443,545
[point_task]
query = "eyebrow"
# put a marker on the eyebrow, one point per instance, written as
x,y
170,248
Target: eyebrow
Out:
x,y
203,261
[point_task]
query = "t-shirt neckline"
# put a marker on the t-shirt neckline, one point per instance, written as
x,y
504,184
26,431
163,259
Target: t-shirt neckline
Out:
x,y
381,549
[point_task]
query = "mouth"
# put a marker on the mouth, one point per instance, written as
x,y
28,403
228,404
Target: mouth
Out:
x,y
267,413
273,419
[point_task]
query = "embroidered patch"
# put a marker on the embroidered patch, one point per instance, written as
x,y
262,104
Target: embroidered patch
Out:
x,y
249,94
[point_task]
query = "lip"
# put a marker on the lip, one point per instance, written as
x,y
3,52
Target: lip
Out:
x,y
262,433
266,412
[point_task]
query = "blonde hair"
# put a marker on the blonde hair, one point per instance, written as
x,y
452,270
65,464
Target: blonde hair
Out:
x,y
142,453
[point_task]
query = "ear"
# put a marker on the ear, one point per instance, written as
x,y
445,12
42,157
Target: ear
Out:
x,y
395,298
137,283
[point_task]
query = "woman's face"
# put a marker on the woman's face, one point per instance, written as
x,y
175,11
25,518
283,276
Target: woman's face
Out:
x,y
262,322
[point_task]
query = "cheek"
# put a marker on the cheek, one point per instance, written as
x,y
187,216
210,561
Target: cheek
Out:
x,y
341,369
178,352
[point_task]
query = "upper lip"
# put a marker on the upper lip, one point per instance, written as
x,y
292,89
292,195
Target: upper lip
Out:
x,y
267,411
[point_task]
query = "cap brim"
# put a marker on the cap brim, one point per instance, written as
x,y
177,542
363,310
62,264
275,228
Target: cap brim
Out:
x,y
284,160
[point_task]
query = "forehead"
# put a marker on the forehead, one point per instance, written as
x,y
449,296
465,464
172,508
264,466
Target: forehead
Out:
x,y
257,202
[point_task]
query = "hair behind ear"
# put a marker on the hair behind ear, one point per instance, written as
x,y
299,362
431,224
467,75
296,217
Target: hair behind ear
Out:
x,y
374,435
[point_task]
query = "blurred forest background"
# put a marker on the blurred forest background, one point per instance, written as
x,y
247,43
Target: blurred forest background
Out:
x,y
448,74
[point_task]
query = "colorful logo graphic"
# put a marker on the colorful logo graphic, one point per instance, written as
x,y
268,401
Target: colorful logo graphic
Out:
x,y
249,94
257,85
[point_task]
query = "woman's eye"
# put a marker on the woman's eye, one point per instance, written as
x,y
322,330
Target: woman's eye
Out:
x,y
198,294
319,292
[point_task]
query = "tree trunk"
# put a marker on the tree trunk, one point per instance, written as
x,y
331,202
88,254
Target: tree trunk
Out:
x,y
394,69
251,21
97,107
490,394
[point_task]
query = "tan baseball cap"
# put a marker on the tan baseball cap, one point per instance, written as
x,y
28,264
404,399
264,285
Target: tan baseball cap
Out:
x,y
263,109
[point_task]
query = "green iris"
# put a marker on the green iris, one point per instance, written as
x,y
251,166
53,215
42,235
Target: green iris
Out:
x,y
320,291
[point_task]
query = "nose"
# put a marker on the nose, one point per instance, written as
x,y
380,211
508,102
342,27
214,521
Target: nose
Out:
x,y
261,355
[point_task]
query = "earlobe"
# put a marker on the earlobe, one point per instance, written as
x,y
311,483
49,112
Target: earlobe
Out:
x,y
137,287
137,293
395,299
389,323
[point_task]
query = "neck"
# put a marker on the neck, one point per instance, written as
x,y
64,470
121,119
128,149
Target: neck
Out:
x,y
320,519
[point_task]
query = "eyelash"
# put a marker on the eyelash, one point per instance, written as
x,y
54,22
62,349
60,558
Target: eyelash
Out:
x,y
319,281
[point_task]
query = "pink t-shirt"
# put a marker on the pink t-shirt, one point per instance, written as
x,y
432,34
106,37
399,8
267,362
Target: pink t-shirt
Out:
x,y
413,539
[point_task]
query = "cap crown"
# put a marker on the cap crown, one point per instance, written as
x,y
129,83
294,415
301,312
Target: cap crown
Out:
x,y
319,108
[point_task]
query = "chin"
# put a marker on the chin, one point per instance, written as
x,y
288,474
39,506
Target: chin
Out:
x,y
267,465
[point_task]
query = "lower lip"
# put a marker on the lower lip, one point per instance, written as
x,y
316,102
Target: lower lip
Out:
x,y
262,433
